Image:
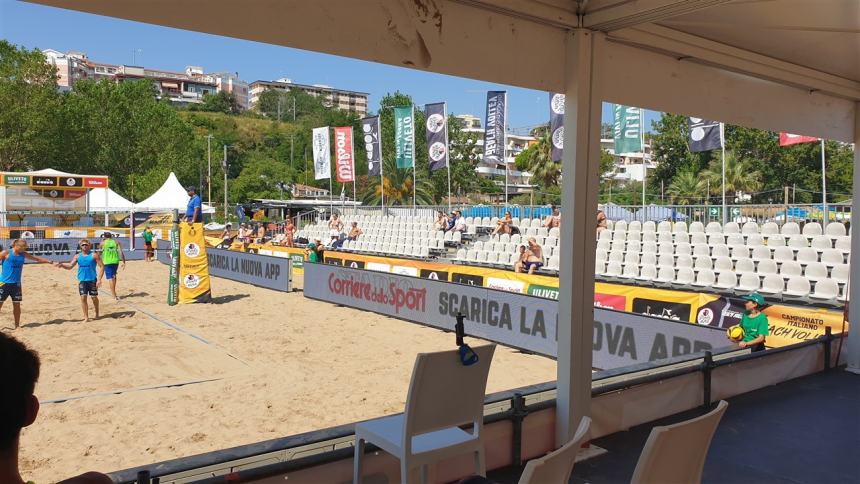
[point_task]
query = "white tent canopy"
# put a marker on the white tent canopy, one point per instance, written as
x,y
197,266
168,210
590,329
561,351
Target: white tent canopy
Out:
x,y
107,200
171,195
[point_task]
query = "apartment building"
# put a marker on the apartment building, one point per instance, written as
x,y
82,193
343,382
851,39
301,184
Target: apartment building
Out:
x,y
351,101
182,88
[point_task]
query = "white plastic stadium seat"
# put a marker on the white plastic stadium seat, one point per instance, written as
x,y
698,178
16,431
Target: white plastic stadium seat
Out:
x,y
766,267
648,272
634,226
754,240
719,250
745,266
735,239
665,276
697,227
789,269
649,226
750,228
748,283
731,228
822,242
666,260
704,278
832,257
684,248
797,287
703,263
808,254
444,395
613,269
680,228
739,252
698,238
826,291
631,258
723,264
790,228
782,254
648,259
682,238
631,271
815,271
769,228
812,229
835,229
716,239
684,277
797,241
599,267
713,228
772,285
701,250
553,263
776,240
843,244
664,226
620,225
726,281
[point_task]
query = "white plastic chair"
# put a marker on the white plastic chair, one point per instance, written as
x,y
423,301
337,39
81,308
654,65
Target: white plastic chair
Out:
x,y
815,271
777,240
666,260
713,228
683,249
807,255
680,227
750,228
558,464
664,226
631,258
812,229
782,254
797,287
648,259
766,267
745,266
676,453
613,269
769,229
790,228
697,227
840,273
703,263
843,244
754,240
443,395
701,250
682,238
684,261
726,281
631,271
648,273
723,264
704,278
716,239
684,277
835,229
747,283
731,228
720,250
739,252
832,257
665,276
698,238
822,242
789,269
760,253
826,291
735,239
772,285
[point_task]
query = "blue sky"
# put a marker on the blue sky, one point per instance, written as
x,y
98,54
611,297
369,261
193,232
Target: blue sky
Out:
x,y
117,41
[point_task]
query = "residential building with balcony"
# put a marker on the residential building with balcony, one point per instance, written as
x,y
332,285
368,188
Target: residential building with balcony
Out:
x,y
71,67
629,167
351,101
230,82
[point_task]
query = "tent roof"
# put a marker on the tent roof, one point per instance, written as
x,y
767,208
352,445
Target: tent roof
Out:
x,y
115,201
52,172
171,195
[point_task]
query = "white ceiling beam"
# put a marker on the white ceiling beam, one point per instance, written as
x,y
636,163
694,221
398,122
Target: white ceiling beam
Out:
x,y
627,13
696,49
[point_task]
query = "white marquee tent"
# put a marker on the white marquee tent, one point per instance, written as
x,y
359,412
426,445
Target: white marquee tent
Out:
x,y
171,195
106,200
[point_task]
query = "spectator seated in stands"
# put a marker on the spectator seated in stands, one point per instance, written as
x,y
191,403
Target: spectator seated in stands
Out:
x,y
521,259
504,225
554,220
601,222
452,220
279,239
19,367
534,257
261,234
354,232
441,221
335,223
460,223
226,238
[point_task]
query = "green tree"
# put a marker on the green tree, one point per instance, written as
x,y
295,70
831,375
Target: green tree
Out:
x,y
28,106
741,177
540,164
669,149
221,102
464,156
261,177
397,185
687,188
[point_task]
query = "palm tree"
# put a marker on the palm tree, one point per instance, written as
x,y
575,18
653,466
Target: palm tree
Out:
x,y
687,188
397,184
540,162
740,176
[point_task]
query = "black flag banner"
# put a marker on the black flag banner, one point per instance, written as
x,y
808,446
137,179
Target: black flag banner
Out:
x,y
370,132
704,135
556,125
494,130
437,135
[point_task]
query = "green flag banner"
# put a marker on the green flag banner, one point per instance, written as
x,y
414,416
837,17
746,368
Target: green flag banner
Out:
x,y
404,137
627,128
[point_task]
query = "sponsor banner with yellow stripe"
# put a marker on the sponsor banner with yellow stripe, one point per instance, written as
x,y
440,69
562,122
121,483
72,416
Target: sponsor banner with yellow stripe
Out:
x,y
788,324
194,284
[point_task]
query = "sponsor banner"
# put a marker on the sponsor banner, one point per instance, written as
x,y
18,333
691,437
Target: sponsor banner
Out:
x,y
404,136
173,281
690,307
344,156
437,135
322,153
372,144
257,269
61,249
69,233
494,129
95,182
194,284
43,181
556,125
704,135
788,139
16,180
627,129
516,320
71,182
74,193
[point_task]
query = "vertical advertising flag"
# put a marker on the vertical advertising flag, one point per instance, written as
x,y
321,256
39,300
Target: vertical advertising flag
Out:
x,y
788,139
344,157
193,265
627,129
704,135
494,129
370,130
173,281
322,153
404,136
437,135
556,125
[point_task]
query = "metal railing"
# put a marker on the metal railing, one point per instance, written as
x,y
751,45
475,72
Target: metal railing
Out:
x,y
761,213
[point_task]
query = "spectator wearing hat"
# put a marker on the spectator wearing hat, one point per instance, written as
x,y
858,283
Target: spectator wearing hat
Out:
x,y
754,323
194,210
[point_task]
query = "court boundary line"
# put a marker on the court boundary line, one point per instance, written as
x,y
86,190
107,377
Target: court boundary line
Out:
x,y
128,390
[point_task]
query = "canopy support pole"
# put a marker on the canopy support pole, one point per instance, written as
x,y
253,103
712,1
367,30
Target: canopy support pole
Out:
x,y
853,356
580,164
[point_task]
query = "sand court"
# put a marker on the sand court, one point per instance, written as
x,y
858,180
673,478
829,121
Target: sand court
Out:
x,y
150,382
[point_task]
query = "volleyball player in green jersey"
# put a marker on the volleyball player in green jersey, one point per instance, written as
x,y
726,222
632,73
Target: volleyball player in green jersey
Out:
x,y
111,255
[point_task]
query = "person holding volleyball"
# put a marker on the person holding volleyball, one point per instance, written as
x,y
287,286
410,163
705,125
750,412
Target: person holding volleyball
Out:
x,y
754,327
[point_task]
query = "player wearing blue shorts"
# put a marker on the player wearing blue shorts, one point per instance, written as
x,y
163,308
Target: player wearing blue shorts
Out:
x,y
88,281
12,261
